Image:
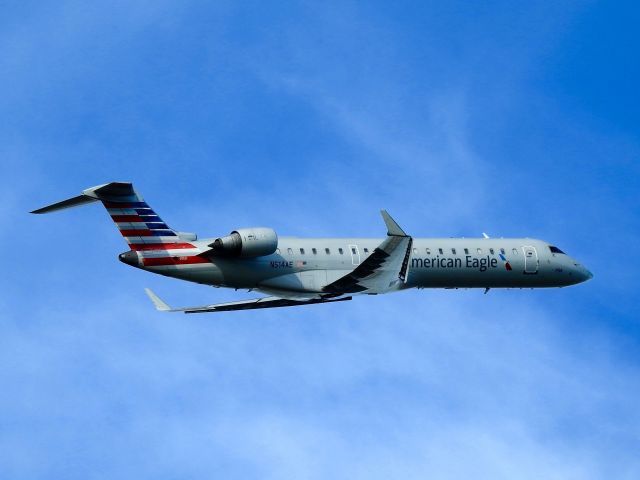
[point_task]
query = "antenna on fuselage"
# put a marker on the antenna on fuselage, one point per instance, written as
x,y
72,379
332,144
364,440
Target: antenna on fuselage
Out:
x,y
485,235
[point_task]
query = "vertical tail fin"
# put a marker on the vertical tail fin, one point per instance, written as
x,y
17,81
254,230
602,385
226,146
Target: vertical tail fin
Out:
x,y
137,222
141,227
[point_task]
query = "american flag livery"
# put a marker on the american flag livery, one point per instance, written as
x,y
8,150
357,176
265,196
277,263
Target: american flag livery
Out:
x,y
146,233
136,220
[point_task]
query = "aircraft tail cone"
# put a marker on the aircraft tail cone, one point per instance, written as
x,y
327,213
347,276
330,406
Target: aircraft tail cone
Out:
x,y
130,258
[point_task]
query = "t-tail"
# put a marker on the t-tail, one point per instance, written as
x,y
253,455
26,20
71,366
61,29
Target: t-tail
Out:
x,y
141,227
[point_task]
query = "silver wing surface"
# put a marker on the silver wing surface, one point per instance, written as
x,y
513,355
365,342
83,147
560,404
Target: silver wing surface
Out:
x,y
384,270
254,303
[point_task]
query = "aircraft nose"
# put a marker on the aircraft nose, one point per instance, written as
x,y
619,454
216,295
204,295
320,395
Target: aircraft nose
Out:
x,y
582,274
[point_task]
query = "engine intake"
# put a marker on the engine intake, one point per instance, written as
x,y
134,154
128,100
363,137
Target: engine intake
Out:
x,y
246,243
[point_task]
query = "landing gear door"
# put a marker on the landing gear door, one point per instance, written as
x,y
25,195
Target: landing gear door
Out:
x,y
530,260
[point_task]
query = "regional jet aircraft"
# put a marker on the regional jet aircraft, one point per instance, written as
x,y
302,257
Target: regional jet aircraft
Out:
x,y
303,271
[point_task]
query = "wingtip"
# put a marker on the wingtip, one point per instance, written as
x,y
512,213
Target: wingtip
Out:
x,y
157,301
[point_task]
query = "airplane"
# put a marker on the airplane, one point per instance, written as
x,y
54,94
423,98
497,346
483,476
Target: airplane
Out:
x,y
296,271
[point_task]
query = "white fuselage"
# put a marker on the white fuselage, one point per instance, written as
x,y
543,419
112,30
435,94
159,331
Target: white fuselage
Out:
x,y
306,265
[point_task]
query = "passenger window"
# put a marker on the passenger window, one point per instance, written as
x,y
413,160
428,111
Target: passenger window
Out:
x,y
453,250
502,251
340,251
440,250
479,251
491,251
515,251
428,251
353,250
314,251
366,250
327,251
289,251
466,251
302,251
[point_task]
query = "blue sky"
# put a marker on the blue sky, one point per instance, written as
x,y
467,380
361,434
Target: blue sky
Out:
x,y
517,120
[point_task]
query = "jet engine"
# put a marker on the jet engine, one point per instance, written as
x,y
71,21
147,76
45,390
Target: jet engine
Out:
x,y
246,243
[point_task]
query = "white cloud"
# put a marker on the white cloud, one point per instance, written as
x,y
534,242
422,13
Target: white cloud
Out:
x,y
372,389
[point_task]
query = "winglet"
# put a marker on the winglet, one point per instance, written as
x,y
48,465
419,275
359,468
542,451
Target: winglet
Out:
x,y
160,305
393,229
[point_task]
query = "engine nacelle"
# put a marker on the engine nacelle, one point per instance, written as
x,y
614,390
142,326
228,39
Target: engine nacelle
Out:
x,y
246,243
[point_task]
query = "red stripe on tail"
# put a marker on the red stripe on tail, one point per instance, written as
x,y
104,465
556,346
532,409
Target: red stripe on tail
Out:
x,y
136,233
127,218
160,246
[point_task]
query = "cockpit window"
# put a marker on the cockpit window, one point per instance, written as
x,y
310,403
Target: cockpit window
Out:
x,y
555,249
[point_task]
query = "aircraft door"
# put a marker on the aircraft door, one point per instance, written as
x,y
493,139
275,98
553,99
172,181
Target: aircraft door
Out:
x,y
530,259
355,254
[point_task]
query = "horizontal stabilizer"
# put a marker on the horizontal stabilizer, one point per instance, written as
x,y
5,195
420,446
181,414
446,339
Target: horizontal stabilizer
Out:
x,y
68,203
111,192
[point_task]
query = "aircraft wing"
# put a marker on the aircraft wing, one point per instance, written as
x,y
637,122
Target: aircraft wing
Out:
x,y
384,270
254,303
